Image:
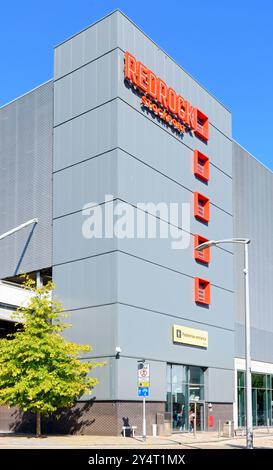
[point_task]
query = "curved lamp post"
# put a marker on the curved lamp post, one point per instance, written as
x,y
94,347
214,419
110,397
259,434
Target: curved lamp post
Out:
x,y
13,230
245,242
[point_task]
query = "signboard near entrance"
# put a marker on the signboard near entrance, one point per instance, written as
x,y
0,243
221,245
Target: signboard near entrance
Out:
x,y
185,335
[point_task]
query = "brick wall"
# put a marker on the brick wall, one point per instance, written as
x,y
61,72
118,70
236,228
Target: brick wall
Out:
x,y
92,417
220,411
102,418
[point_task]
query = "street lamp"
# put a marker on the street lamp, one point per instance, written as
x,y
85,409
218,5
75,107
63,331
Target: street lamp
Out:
x,y
16,229
245,242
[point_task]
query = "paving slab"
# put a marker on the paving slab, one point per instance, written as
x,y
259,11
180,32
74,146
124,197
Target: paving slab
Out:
x,y
210,440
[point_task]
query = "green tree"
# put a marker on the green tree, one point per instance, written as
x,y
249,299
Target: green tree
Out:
x,y
40,370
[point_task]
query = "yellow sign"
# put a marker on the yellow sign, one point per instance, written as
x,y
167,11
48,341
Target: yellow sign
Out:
x,y
145,383
185,335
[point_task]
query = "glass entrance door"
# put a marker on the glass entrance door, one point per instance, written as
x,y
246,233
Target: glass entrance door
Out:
x,y
185,386
199,407
180,412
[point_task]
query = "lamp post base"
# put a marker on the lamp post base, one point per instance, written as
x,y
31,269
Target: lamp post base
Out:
x,y
249,439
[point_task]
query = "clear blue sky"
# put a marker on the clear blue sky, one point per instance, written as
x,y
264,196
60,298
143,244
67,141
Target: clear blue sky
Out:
x,y
227,45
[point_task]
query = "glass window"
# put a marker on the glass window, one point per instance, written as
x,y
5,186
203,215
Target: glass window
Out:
x,y
269,406
258,381
196,375
168,404
186,374
271,393
241,407
262,396
177,373
180,409
254,406
261,408
196,392
241,379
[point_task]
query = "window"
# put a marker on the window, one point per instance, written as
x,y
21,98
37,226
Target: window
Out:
x,y
241,379
262,395
201,207
204,255
202,130
258,380
196,375
200,165
201,291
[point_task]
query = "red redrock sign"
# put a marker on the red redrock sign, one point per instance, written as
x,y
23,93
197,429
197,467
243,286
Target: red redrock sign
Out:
x,y
168,101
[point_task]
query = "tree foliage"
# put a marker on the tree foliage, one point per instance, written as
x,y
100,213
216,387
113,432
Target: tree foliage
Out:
x,y
40,370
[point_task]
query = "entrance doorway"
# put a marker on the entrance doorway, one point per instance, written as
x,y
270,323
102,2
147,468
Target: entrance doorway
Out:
x,y
200,408
185,387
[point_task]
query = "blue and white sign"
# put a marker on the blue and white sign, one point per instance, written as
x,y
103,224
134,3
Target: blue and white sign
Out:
x,y
143,391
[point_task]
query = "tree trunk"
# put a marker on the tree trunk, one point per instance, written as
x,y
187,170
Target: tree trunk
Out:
x,y
38,424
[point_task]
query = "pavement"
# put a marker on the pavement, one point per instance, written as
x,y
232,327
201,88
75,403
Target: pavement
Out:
x,y
263,439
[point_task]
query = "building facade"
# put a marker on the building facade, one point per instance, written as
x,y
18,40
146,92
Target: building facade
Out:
x,y
123,130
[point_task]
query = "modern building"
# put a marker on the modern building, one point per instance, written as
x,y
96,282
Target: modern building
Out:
x,y
123,130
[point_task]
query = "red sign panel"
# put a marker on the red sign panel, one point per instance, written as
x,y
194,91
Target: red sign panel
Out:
x,y
164,101
211,421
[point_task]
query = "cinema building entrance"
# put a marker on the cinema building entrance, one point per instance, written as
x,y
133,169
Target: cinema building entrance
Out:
x,y
185,396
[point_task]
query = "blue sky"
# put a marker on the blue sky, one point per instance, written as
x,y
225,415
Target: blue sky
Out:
x,y
226,45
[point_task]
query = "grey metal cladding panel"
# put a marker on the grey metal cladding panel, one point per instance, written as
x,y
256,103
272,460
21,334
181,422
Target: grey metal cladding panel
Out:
x,y
154,340
106,388
86,46
147,139
117,31
253,218
261,343
69,245
86,88
169,292
87,283
96,132
154,288
96,327
26,180
85,183
168,156
220,385
133,40
126,380
86,136
137,183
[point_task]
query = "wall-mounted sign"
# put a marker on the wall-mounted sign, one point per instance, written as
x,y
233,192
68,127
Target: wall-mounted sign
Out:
x,y
191,336
163,101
